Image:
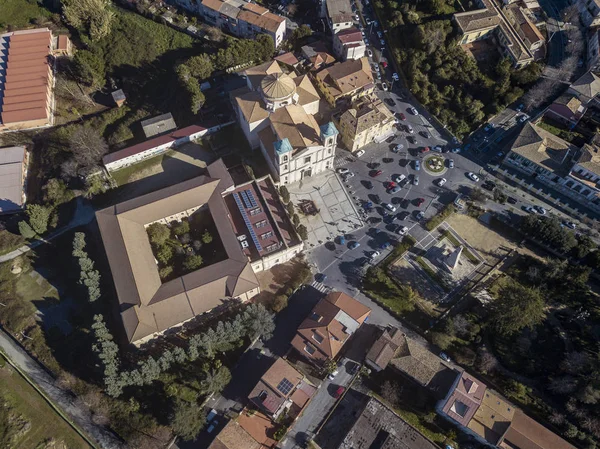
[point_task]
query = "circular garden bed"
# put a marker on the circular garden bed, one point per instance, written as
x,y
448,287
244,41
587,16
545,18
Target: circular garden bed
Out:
x,y
435,164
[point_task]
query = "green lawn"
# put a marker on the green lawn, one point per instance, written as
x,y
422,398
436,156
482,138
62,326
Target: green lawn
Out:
x,y
27,421
20,13
31,286
124,175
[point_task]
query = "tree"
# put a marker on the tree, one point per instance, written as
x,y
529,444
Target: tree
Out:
x,y
389,391
187,420
516,308
279,303
302,232
56,192
265,47
38,217
94,16
215,380
285,194
207,237
478,195
192,262
164,254
25,230
165,272
200,66
159,233
183,227
258,322
89,69
87,146
441,340
296,220
329,366
585,245
290,209
108,353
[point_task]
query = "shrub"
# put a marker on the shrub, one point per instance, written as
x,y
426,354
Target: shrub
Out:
x,y
285,194
181,228
302,231
207,237
192,262
439,218
279,303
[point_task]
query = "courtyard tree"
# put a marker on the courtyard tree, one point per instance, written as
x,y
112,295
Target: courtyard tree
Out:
x,y
192,262
207,237
159,233
164,254
517,307
183,227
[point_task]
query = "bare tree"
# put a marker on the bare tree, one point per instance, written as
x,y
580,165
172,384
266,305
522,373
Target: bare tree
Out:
x,y
214,34
389,390
558,419
71,91
486,360
461,325
563,385
575,362
87,146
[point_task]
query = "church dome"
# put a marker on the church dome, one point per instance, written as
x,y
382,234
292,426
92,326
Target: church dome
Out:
x,y
278,87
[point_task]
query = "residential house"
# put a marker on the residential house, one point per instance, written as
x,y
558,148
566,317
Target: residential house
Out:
x,y
385,348
339,13
344,82
367,121
516,36
238,17
27,85
586,88
349,44
288,59
14,163
158,125
492,420
566,109
317,55
365,422
282,389
330,325
277,114
253,229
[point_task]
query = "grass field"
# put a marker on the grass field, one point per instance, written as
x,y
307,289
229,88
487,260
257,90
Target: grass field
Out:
x,y
20,13
27,421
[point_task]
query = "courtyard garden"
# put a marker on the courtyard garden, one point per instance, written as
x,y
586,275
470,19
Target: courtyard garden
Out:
x,y
185,246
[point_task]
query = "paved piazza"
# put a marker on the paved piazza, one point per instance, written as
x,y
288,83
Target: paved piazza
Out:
x,y
337,214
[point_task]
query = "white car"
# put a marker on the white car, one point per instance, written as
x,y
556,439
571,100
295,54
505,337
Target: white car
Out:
x,y
375,254
348,175
402,230
376,67
441,182
523,118
413,111
332,375
384,86
379,34
342,170
398,178
359,153
472,176
389,207
369,52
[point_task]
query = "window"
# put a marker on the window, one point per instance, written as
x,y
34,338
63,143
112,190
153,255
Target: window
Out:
x,y
266,235
272,247
285,159
307,160
261,224
329,151
317,337
308,348
256,211
285,167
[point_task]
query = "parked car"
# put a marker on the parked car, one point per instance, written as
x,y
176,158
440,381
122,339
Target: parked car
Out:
x,y
384,245
394,189
540,210
424,150
389,207
417,165
359,153
369,53
400,115
570,225
489,127
522,118
384,64
212,426
472,176
353,245
211,415
376,173
376,199
368,185
415,180
382,42
379,34
409,129
419,201
342,240
450,163
444,357
437,149
489,185
511,200
348,175
420,215
398,178
529,209
413,111
374,254
402,230
441,182
342,170
333,374
425,134
395,76
339,392
456,150
398,148
412,139
384,86
376,67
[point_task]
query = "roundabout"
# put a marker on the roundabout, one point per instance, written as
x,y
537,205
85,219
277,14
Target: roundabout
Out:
x,y
435,164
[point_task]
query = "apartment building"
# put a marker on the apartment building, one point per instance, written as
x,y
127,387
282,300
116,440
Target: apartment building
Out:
x,y
349,44
339,13
344,82
367,121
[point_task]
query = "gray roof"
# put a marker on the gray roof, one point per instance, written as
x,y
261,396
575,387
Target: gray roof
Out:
x,y
11,178
158,125
588,85
416,361
378,426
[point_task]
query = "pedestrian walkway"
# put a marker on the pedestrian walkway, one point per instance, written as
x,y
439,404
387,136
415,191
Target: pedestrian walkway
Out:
x,y
320,287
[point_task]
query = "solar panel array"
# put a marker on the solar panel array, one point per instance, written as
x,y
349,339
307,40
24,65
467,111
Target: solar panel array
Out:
x,y
285,386
251,198
247,202
236,197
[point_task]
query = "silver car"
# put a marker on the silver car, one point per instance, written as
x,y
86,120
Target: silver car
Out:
x,y
416,180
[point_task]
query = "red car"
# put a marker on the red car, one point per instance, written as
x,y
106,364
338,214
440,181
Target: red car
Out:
x,y
339,392
420,201
376,173
384,64
390,184
402,116
425,150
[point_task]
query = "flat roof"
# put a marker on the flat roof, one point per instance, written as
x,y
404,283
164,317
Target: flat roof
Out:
x,y
11,178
